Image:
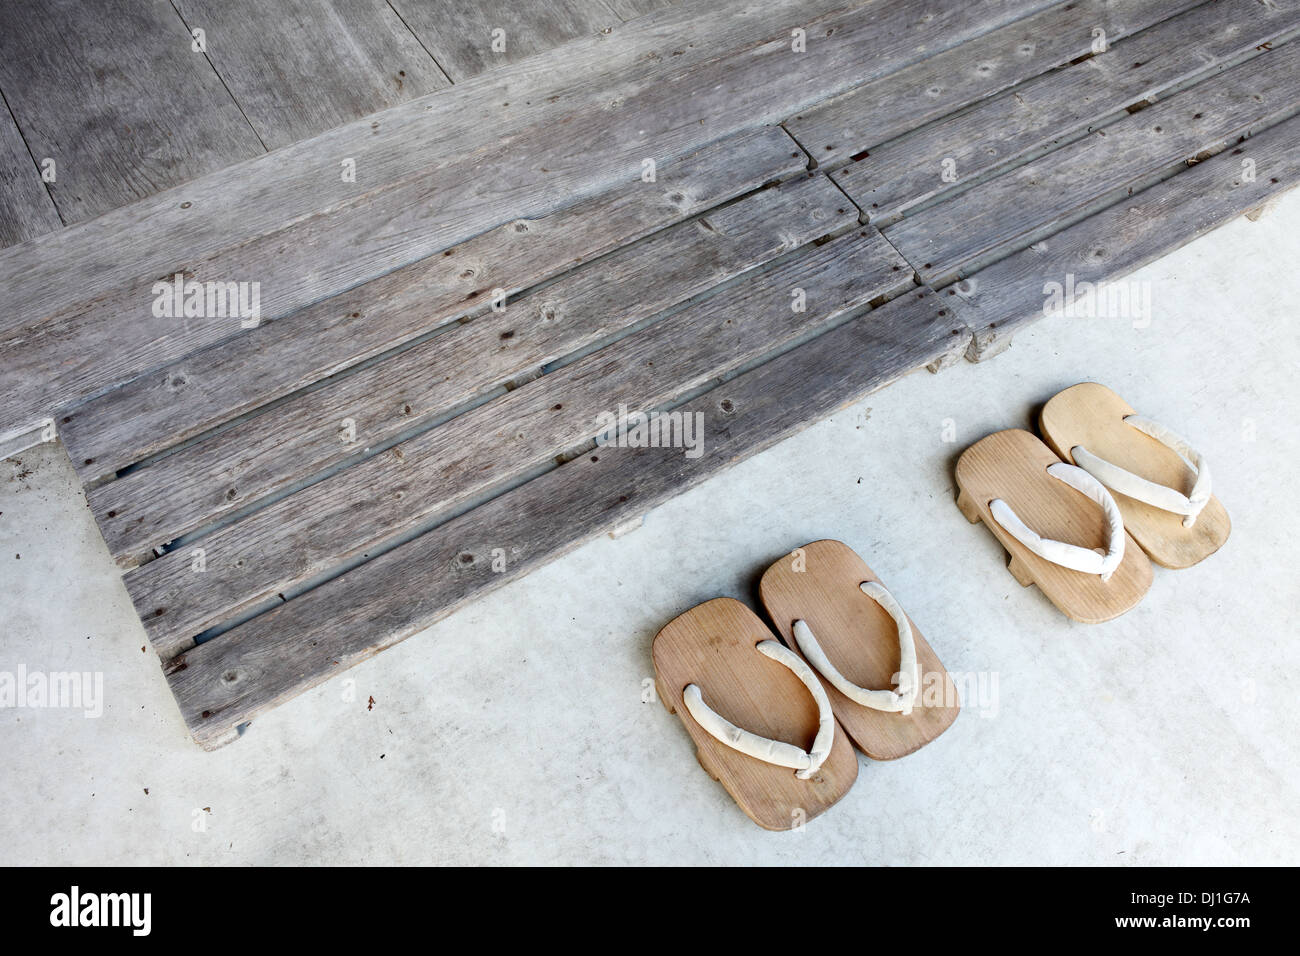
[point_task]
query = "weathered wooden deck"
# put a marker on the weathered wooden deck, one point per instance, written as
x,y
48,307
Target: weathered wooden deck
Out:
x,y
841,193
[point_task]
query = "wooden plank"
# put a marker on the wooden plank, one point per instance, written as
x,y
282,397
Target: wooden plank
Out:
x,y
227,681
370,503
468,37
114,94
888,107
1040,113
214,385
300,437
1015,209
300,67
345,246
268,193
1002,298
26,209
631,9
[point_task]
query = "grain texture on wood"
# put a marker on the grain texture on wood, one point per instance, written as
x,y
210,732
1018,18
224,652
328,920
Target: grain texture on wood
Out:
x,y
1018,207
713,647
271,658
157,235
497,444
631,9
890,106
1038,114
819,585
468,37
113,92
1004,297
300,67
302,436
408,221
213,385
26,209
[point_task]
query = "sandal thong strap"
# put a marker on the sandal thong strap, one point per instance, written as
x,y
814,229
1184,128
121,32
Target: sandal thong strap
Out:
x,y
1071,556
892,701
804,762
1135,486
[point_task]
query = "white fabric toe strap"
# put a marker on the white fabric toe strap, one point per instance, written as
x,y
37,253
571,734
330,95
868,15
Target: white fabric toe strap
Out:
x,y
1058,552
893,701
805,762
1158,496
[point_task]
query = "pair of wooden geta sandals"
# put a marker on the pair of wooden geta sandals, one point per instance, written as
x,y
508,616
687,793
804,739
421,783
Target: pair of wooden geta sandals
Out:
x,y
771,719
1084,518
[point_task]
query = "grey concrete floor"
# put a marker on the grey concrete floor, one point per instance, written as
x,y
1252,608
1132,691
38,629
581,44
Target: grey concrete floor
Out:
x,y
517,731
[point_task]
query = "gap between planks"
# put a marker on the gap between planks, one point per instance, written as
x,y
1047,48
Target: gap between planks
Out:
x,y
761,84
205,389
1004,297
362,507
991,136
1029,203
226,682
534,335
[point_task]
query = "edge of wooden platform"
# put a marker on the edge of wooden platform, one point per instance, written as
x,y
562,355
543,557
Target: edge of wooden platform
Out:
x,y
223,683
1000,299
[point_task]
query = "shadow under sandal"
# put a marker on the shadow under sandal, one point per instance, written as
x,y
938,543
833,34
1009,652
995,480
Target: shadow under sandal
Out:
x,y
887,686
1161,484
762,725
1035,504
